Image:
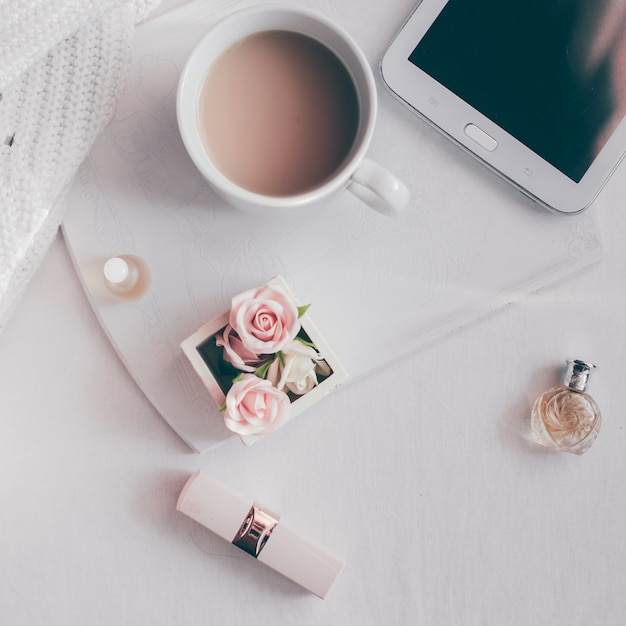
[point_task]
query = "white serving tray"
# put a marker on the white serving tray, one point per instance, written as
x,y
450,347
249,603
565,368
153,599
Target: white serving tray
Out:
x,y
380,287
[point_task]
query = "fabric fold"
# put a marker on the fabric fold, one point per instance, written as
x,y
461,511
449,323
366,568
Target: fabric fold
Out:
x,y
60,76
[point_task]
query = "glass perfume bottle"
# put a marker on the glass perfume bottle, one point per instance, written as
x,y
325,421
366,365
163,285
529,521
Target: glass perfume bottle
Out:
x,y
565,417
127,277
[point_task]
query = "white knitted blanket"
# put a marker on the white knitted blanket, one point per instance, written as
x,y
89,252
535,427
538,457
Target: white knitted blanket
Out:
x,y
61,64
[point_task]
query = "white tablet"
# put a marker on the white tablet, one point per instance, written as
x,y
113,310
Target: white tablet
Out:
x,y
535,89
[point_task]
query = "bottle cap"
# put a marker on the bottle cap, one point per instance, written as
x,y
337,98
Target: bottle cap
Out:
x,y
213,505
116,271
577,374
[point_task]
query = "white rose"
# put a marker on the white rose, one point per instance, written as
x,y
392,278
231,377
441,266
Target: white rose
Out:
x,y
298,370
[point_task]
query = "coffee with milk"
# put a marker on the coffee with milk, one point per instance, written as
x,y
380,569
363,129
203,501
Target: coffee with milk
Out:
x,y
278,113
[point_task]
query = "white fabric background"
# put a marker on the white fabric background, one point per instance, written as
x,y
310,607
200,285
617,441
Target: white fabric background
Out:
x,y
422,476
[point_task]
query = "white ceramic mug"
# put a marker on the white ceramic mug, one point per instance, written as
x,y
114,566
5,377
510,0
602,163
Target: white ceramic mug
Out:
x,y
372,183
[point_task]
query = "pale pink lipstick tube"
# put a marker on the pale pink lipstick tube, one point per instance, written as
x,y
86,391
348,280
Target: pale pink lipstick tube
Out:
x,y
259,532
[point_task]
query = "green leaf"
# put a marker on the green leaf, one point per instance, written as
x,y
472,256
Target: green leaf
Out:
x,y
261,371
223,407
281,357
238,377
302,310
310,344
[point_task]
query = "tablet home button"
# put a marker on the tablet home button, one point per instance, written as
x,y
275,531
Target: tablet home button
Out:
x,y
481,137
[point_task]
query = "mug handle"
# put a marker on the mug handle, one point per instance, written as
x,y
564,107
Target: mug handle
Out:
x,y
379,188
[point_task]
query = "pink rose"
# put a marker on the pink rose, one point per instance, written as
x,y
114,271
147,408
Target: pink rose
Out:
x,y
235,352
265,319
254,406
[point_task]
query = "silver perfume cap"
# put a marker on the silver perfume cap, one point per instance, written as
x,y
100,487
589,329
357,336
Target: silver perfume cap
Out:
x,y
577,374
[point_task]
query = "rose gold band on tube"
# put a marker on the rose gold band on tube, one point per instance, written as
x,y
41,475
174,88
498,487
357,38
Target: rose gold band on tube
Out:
x,y
255,531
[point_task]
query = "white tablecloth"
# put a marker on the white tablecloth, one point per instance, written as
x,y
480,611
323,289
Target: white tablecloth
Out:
x,y
422,476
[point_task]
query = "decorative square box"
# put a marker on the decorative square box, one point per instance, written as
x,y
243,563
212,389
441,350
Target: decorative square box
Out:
x,y
263,360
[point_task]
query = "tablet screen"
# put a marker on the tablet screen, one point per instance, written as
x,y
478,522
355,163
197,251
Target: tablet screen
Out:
x,y
546,71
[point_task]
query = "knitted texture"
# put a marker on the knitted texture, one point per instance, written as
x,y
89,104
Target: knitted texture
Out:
x,y
61,65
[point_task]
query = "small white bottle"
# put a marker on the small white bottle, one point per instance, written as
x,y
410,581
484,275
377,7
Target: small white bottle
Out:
x,y
127,277
565,417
